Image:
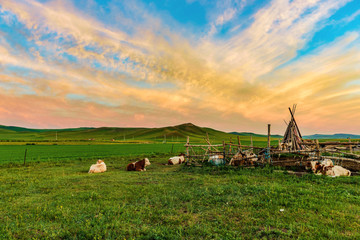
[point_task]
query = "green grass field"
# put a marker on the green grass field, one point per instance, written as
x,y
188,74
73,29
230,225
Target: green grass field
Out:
x,y
60,200
53,196
60,153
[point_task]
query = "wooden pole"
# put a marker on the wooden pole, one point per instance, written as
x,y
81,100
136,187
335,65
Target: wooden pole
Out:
x,y
25,157
230,145
187,150
317,149
268,140
350,147
268,143
239,143
251,142
224,150
279,145
297,128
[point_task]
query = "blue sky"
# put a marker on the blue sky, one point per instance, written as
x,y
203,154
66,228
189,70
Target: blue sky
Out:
x,y
234,65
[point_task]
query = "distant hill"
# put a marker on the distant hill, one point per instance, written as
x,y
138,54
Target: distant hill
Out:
x,y
170,133
21,129
254,134
333,136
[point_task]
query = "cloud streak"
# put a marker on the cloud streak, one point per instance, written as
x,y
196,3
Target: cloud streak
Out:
x,y
154,75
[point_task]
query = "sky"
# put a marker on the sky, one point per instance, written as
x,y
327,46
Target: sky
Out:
x,y
232,65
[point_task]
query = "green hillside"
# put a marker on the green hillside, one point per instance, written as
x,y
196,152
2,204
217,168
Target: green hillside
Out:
x,y
177,133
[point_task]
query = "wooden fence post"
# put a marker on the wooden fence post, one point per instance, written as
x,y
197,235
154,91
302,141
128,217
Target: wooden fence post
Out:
x,y
350,146
25,156
279,145
268,143
187,149
239,143
317,149
224,150
251,143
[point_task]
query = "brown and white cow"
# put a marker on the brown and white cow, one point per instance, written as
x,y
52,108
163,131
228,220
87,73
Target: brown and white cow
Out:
x,y
327,168
177,160
335,171
318,167
99,167
139,165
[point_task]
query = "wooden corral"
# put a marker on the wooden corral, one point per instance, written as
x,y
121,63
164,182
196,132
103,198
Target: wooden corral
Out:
x,y
229,153
293,150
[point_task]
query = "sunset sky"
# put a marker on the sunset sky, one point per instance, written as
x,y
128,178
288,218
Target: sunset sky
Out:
x,y
229,65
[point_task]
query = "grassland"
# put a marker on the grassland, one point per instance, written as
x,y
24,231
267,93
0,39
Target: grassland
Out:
x,y
61,153
62,201
53,196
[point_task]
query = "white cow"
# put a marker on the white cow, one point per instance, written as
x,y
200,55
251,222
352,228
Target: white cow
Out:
x,y
336,171
177,160
99,167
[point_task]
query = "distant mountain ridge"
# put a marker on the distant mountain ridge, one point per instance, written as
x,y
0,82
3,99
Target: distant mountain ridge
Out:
x,y
332,136
158,134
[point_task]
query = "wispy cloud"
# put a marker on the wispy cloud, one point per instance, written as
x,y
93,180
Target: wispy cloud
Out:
x,y
123,68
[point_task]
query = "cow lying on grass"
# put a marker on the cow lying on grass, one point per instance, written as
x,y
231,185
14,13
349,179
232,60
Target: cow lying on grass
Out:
x,y
317,166
99,167
177,160
139,165
327,168
335,171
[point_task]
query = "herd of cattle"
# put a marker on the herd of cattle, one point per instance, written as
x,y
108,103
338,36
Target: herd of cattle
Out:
x,y
325,167
100,165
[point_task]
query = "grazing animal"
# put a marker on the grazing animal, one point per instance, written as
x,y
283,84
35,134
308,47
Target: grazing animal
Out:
x,y
177,160
336,171
99,167
216,160
139,165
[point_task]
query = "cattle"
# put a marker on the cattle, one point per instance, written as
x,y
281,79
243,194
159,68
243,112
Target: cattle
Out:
x,y
327,168
139,165
216,160
317,166
99,167
177,160
336,171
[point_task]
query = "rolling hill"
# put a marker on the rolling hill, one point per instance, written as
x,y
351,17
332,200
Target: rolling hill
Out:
x,y
171,133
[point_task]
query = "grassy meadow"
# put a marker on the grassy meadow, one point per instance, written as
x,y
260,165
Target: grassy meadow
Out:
x,y
53,197
58,200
